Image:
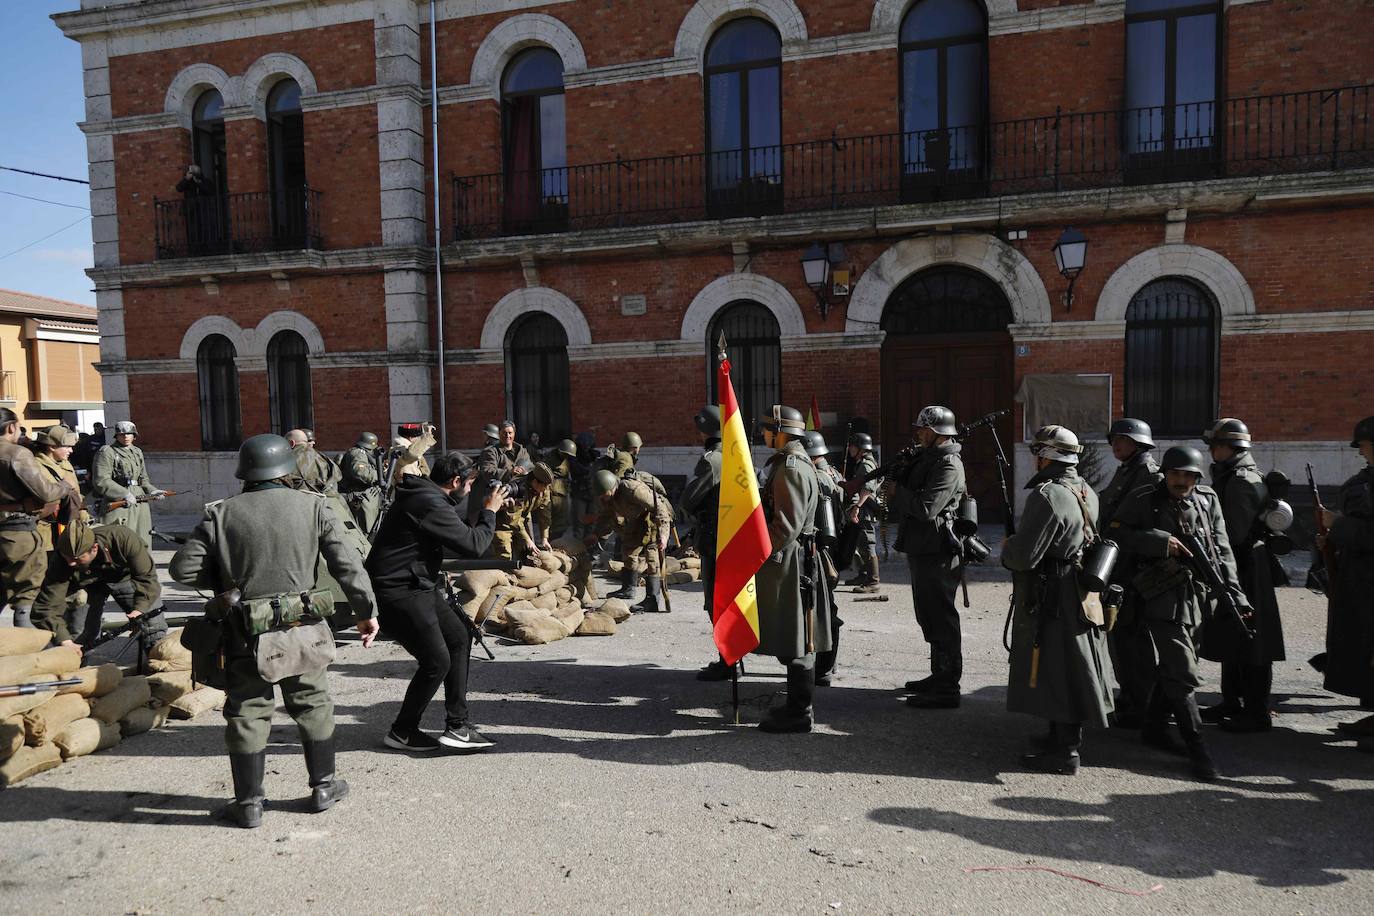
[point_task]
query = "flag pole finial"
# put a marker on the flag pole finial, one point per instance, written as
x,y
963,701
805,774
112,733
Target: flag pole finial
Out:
x,y
720,347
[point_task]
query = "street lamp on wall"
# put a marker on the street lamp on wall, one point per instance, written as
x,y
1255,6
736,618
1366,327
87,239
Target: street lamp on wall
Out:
x,y
818,263
1070,253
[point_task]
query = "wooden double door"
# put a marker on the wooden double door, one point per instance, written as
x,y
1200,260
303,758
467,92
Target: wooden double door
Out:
x,y
969,373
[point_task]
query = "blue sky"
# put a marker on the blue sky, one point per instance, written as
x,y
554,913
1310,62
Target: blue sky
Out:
x,y
39,110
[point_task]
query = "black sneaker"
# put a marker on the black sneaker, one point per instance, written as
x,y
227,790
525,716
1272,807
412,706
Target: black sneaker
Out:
x,y
411,741
465,738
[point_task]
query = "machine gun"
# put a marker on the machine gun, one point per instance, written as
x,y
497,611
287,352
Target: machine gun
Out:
x,y
26,690
1240,618
388,492
904,460
1003,465
136,627
453,566
1328,559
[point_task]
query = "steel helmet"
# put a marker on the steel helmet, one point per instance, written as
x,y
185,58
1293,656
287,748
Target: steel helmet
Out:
x,y
1228,431
631,440
265,457
939,420
1138,431
785,419
568,447
491,431
126,427
862,440
605,482
1363,430
367,440
707,420
815,444
1182,458
1056,443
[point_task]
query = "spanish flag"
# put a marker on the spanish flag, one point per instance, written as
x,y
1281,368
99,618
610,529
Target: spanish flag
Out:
x,y
813,419
741,534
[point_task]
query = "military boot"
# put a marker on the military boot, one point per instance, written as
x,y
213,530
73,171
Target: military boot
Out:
x,y
871,585
246,808
794,716
627,585
1189,721
941,689
1155,731
650,604
1058,751
23,616
325,789
715,671
860,577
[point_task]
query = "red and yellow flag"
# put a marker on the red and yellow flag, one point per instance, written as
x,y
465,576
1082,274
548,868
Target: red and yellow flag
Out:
x,y
813,419
741,534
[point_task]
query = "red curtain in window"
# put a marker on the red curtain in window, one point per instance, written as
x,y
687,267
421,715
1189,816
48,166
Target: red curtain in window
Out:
x,y
522,159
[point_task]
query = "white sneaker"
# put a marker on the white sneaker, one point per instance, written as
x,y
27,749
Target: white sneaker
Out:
x,y
465,738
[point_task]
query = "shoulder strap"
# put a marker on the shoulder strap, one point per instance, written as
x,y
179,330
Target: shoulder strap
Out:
x,y
1089,529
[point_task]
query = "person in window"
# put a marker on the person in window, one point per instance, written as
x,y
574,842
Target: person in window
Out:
x,y
197,195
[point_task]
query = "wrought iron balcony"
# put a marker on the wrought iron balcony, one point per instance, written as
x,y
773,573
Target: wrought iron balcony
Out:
x,y
1319,130
201,226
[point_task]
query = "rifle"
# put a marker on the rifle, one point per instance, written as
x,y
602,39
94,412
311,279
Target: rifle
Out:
x,y
388,494
662,573
146,498
25,690
33,506
1203,567
137,627
897,467
1324,551
451,594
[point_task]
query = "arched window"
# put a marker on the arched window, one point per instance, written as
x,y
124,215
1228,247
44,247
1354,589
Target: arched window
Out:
x,y
286,164
288,382
207,137
755,352
1173,55
220,429
534,142
744,118
943,92
946,300
204,202
1171,357
537,367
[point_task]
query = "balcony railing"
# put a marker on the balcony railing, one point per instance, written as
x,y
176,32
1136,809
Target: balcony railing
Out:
x,y
1296,132
9,386
238,223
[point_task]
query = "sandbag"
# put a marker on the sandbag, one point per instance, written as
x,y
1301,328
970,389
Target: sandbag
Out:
x,y
615,566
595,623
491,606
564,595
547,602
618,609
471,604
29,761
530,576
142,719
482,581
196,702
96,681
681,577
548,561
11,736
56,662
131,693
86,736
159,666
17,706
22,641
544,630
553,583
571,620
42,722
170,649
521,617
691,562
169,685
671,564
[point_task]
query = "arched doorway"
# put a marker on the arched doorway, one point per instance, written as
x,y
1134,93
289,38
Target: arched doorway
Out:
x,y
947,343
537,379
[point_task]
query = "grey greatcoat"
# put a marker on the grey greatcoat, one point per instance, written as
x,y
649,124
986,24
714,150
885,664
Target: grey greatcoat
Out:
x,y
116,472
361,485
1350,608
701,503
1073,675
790,495
1243,494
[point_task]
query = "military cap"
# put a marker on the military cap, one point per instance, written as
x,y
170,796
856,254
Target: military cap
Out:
x,y
542,472
57,437
75,539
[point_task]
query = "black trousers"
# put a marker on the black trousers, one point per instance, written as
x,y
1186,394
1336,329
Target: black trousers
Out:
x,y
934,581
1248,684
429,629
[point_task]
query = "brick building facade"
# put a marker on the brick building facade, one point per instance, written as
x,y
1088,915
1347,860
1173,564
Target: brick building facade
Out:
x,y
618,179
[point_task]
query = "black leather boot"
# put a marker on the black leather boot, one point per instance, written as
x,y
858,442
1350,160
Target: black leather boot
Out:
x,y
325,789
1060,753
1155,731
1190,727
715,671
871,575
246,808
651,604
794,716
627,585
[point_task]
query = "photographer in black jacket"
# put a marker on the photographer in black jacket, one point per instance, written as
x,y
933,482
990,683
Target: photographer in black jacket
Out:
x,y
404,566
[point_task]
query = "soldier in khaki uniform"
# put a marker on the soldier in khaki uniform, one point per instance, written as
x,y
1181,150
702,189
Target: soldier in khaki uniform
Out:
x,y
513,538
266,543
120,473
560,461
97,561
794,615
502,461
360,481
644,521
314,472
860,513
24,491
53,456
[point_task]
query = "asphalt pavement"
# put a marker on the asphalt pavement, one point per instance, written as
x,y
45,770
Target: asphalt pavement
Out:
x,y
619,783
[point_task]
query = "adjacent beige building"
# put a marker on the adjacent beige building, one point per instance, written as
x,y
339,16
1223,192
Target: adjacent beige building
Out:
x,y
48,352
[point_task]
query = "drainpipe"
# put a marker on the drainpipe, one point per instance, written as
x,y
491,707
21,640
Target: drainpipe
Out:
x,y
438,222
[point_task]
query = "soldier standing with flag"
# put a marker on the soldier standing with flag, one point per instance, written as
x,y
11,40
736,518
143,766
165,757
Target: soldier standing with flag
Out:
x,y
794,616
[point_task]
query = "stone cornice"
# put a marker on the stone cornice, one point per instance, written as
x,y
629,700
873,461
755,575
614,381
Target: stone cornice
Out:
x,y
384,258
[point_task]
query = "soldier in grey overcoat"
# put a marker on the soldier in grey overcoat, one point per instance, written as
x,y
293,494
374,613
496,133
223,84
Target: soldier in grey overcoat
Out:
x,y
1060,668
361,481
794,616
701,504
120,473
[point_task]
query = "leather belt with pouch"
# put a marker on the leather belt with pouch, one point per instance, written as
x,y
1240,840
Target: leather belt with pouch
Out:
x,y
290,633
1160,577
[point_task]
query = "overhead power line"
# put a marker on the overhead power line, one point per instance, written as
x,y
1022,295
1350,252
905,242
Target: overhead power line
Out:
x,y
43,239
8,168
55,203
